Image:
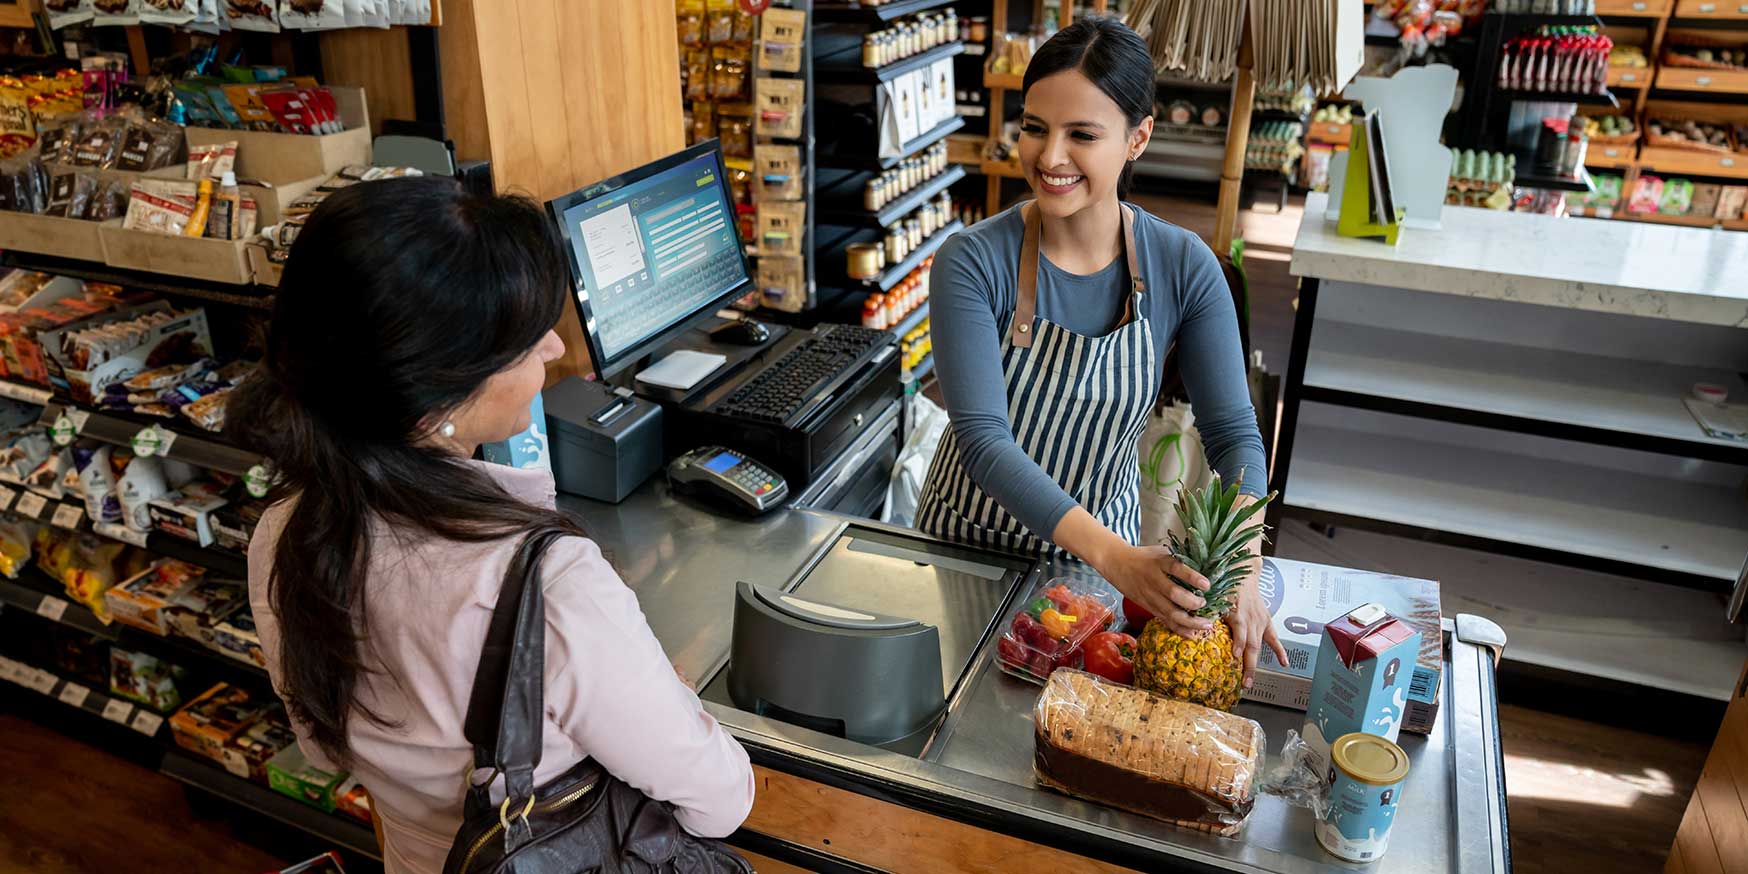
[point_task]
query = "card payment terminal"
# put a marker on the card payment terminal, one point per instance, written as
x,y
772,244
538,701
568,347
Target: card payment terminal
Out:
x,y
729,478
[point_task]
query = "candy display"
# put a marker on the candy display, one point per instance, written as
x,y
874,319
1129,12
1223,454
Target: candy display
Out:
x,y
1171,760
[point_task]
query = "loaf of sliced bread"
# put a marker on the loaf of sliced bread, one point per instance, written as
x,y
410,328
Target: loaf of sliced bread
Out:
x,y
1184,763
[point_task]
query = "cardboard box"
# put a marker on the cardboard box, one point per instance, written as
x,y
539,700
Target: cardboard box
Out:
x,y
29,339
50,235
290,773
353,800
183,339
234,524
143,600
266,272
144,679
187,513
235,636
279,157
194,612
247,754
191,257
1303,596
209,723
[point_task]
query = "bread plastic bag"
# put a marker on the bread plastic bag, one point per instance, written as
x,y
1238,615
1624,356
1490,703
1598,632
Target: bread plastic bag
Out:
x,y
1127,748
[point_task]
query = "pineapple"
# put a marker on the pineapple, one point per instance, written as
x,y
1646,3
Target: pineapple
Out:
x,y
1217,545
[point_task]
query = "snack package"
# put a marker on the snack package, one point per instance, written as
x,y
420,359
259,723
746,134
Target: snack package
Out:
x,y
168,11
188,513
1677,197
235,636
110,202
1732,202
312,14
209,723
97,481
142,601
17,537
211,161
145,679
141,483
247,754
1646,195
193,613
111,12
257,15
65,12
291,773
161,206
1171,760
1047,631
90,571
352,800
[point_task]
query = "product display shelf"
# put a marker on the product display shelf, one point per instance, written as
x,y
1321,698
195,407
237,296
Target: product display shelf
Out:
x,y
832,70
34,593
161,283
1631,77
868,13
1486,107
335,828
1690,221
853,161
69,514
910,321
1600,99
1632,404
846,207
895,273
79,696
189,444
1526,179
1605,519
1521,21
1632,10
923,368
181,651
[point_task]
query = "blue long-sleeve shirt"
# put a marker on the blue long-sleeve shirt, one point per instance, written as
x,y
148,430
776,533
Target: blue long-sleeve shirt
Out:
x,y
972,290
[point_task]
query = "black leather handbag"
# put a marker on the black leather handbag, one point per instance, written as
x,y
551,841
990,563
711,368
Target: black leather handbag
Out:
x,y
585,820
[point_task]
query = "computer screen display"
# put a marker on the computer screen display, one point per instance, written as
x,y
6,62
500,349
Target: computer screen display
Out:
x,y
651,249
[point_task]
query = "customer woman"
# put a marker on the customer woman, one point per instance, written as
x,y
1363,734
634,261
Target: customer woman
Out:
x,y
414,323
1052,321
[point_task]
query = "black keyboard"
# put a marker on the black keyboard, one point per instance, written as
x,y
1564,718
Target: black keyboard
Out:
x,y
808,371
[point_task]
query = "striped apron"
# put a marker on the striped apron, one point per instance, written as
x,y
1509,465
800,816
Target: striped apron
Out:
x,y
1077,406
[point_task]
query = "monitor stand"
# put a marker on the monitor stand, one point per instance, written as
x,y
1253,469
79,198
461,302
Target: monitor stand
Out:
x,y
699,340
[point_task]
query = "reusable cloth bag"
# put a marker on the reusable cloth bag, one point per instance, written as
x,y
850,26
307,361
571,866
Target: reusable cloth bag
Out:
x,y
1172,459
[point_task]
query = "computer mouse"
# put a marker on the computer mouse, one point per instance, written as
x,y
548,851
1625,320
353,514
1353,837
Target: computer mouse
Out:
x,y
745,332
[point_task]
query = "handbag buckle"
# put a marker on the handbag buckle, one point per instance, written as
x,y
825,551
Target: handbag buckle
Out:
x,y
504,812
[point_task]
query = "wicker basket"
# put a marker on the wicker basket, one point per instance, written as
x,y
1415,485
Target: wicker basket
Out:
x,y
1673,58
1664,142
1622,140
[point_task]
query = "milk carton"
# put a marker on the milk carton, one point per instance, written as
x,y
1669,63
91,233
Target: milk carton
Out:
x,y
1302,597
1364,667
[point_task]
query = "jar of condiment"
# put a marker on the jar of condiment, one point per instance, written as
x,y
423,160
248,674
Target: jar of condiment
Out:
x,y
863,263
952,21
871,50
915,227
895,244
931,32
978,28
871,195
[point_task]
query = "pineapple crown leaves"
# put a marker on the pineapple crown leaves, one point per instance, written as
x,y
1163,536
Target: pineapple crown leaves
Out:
x,y
1216,542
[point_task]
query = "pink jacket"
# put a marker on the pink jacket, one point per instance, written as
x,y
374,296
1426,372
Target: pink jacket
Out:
x,y
611,693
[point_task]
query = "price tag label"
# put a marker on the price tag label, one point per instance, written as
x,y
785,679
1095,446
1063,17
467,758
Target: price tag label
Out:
x,y
118,531
74,695
6,497
69,516
8,670
30,504
257,481
146,722
117,711
153,440
51,607
42,681
236,763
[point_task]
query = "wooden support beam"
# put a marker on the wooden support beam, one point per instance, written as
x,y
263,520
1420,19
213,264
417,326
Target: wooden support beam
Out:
x,y
1237,140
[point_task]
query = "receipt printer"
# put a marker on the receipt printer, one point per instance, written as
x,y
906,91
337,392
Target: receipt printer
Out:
x,y
605,441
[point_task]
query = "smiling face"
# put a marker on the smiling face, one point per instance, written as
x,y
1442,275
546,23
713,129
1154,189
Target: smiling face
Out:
x,y
1075,142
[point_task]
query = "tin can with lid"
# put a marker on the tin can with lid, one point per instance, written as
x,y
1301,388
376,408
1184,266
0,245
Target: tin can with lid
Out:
x,y
1366,773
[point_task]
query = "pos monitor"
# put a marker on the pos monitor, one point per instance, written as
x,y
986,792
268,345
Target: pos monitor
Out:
x,y
653,251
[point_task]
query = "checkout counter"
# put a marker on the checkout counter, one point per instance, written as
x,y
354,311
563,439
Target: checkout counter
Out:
x,y
960,795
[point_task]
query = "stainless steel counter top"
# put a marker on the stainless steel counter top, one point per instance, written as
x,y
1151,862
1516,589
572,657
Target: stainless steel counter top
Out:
x,y
683,560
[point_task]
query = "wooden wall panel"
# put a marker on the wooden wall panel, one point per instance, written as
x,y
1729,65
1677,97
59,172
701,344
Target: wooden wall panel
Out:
x,y
464,94
377,61
1713,837
893,838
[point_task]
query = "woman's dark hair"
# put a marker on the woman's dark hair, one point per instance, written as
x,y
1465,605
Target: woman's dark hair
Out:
x,y
400,298
1114,57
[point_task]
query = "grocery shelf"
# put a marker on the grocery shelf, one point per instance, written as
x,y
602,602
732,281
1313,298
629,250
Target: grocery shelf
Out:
x,y
853,12
1526,179
1603,99
334,828
910,321
841,211
1632,8
854,73
190,445
20,594
82,697
1634,404
1518,21
1610,156
923,368
1631,77
69,514
1540,500
895,273
1004,81
162,283
184,652
906,149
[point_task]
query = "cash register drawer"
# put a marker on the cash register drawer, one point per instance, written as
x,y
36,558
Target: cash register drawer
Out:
x,y
855,484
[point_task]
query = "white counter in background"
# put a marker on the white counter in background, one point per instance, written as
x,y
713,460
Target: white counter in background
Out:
x,y
1512,386
1632,268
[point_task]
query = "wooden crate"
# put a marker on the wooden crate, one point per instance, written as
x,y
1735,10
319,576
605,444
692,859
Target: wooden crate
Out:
x,y
47,235
1698,79
193,257
1611,156
1664,161
1631,77
1711,9
1634,8
1331,133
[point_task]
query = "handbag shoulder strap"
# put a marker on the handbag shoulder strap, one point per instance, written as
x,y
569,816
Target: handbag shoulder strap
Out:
x,y
505,708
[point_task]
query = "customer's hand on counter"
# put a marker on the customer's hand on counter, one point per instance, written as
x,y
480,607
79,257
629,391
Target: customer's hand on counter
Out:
x,y
1252,626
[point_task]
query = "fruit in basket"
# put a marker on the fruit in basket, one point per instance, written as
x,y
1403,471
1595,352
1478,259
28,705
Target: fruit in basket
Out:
x,y
1216,544
1111,655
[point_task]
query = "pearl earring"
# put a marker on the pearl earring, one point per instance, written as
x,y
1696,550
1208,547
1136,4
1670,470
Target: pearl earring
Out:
x,y
448,429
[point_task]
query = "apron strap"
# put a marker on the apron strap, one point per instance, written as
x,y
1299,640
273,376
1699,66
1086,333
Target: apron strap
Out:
x,y
1026,300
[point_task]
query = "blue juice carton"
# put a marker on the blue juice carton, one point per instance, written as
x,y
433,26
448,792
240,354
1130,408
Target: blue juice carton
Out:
x,y
529,450
1365,665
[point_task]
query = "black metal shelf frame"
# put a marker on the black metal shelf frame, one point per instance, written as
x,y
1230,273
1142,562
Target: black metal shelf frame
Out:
x,y
854,12
854,73
897,272
841,212
213,780
906,149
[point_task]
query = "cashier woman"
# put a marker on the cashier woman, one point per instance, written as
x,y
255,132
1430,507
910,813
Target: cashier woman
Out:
x,y
1051,323
414,322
